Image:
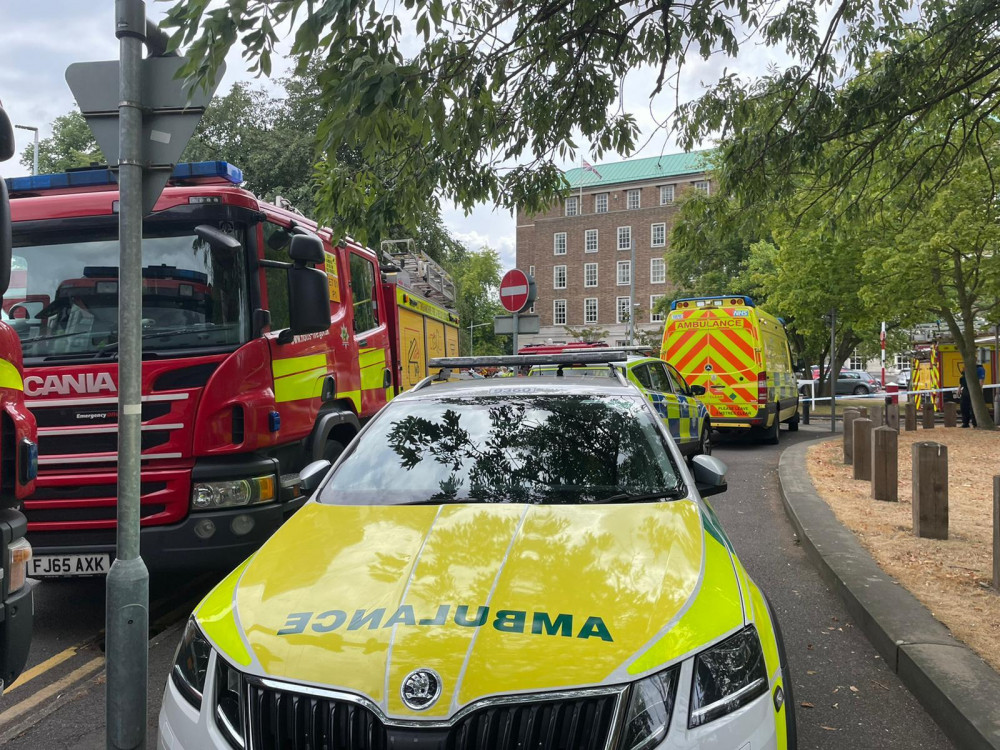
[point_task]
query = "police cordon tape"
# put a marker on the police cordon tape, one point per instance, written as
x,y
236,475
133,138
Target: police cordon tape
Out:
x,y
882,395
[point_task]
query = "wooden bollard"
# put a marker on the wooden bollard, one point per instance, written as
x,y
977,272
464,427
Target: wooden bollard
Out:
x,y
930,490
885,464
862,410
862,449
892,416
911,416
849,416
950,414
927,415
877,414
996,533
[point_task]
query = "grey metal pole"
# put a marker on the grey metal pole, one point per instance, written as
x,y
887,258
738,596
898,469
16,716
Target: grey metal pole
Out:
x,y
128,581
514,343
833,370
472,346
35,160
631,296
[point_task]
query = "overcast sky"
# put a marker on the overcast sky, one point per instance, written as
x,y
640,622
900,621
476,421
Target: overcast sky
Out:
x,y
40,38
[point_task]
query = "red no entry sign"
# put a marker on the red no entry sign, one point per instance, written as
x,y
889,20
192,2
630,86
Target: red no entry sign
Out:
x,y
514,291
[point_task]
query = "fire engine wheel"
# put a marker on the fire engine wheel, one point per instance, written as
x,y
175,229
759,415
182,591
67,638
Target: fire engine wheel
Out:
x,y
860,390
333,450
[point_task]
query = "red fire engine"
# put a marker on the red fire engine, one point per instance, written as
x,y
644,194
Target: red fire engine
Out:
x,y
236,398
18,466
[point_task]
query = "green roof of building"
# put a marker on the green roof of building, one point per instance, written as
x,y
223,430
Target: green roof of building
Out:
x,y
668,165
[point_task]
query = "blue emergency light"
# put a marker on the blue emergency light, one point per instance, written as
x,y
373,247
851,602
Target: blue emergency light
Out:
x,y
694,302
105,176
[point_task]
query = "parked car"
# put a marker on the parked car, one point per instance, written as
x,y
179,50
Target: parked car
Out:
x,y
492,564
675,401
856,382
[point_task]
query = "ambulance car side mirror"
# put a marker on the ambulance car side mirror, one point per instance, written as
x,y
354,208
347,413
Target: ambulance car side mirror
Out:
x,y
709,475
308,288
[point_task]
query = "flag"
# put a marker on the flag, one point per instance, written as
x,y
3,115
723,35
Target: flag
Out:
x,y
588,167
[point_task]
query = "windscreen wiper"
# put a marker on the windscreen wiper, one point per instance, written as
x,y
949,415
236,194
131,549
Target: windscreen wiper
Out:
x,y
673,493
156,335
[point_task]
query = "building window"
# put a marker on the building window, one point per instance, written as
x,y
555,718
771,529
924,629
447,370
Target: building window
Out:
x,y
621,314
558,277
702,186
559,243
590,241
531,271
624,272
658,235
655,317
590,310
624,238
855,362
601,203
657,271
559,312
590,274
902,362
666,194
632,199
572,206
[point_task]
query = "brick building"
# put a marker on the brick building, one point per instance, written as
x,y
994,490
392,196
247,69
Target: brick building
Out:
x,y
579,250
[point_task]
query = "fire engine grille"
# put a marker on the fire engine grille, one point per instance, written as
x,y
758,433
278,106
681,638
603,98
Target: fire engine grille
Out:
x,y
280,719
100,513
102,442
88,491
98,414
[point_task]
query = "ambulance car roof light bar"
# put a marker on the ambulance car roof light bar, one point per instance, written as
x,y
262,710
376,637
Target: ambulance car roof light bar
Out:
x,y
200,170
692,302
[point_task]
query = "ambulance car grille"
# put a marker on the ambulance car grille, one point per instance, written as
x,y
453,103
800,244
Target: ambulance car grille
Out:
x,y
297,721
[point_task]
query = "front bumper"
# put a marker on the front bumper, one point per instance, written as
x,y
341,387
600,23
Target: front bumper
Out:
x,y
176,546
181,725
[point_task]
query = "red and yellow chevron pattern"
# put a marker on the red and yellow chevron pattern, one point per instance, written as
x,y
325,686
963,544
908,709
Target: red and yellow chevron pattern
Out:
x,y
717,349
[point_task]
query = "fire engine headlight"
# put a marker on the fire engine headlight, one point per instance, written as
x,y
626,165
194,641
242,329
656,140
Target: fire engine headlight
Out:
x,y
18,555
726,677
649,710
233,493
191,664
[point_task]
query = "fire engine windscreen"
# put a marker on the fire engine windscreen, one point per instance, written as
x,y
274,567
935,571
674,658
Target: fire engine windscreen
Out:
x,y
63,298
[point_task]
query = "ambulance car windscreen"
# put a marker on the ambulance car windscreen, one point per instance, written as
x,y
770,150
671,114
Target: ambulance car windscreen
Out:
x,y
545,449
63,298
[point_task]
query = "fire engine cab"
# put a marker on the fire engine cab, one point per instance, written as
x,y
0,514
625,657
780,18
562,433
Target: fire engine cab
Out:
x,y
249,373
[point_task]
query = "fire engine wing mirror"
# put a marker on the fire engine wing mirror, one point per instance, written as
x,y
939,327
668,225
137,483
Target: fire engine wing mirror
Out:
x,y
306,248
6,136
308,300
218,240
6,151
709,475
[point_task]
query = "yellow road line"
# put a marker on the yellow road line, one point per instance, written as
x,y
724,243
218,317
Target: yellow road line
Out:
x,y
77,675
45,666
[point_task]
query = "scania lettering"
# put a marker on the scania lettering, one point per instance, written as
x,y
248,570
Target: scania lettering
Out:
x,y
268,341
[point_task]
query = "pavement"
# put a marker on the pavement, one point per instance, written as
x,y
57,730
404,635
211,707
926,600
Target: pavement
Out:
x,y
954,685
845,694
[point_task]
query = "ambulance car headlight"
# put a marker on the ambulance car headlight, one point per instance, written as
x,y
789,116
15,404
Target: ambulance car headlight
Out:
x,y
228,683
233,493
727,676
191,664
650,706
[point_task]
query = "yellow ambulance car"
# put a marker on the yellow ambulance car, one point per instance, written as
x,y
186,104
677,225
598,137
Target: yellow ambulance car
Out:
x,y
739,354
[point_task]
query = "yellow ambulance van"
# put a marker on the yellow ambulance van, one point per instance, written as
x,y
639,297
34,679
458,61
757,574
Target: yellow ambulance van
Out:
x,y
739,354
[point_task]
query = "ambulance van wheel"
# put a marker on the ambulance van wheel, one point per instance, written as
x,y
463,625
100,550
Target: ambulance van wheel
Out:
x,y
793,423
773,434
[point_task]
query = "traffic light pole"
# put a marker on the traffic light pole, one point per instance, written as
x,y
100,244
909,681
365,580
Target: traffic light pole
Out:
x,y
127,609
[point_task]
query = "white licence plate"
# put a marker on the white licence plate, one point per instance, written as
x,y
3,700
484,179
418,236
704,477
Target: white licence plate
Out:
x,y
43,566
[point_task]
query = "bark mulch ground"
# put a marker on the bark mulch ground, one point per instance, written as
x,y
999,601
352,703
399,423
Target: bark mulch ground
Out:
x,y
953,577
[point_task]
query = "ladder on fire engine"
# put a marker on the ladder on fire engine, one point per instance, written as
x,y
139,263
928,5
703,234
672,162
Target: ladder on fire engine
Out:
x,y
421,273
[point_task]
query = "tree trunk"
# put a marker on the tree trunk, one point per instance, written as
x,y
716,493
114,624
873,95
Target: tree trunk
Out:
x,y
964,332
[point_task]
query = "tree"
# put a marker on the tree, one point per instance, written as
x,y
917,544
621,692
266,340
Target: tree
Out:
x,y
71,145
587,334
493,83
477,280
